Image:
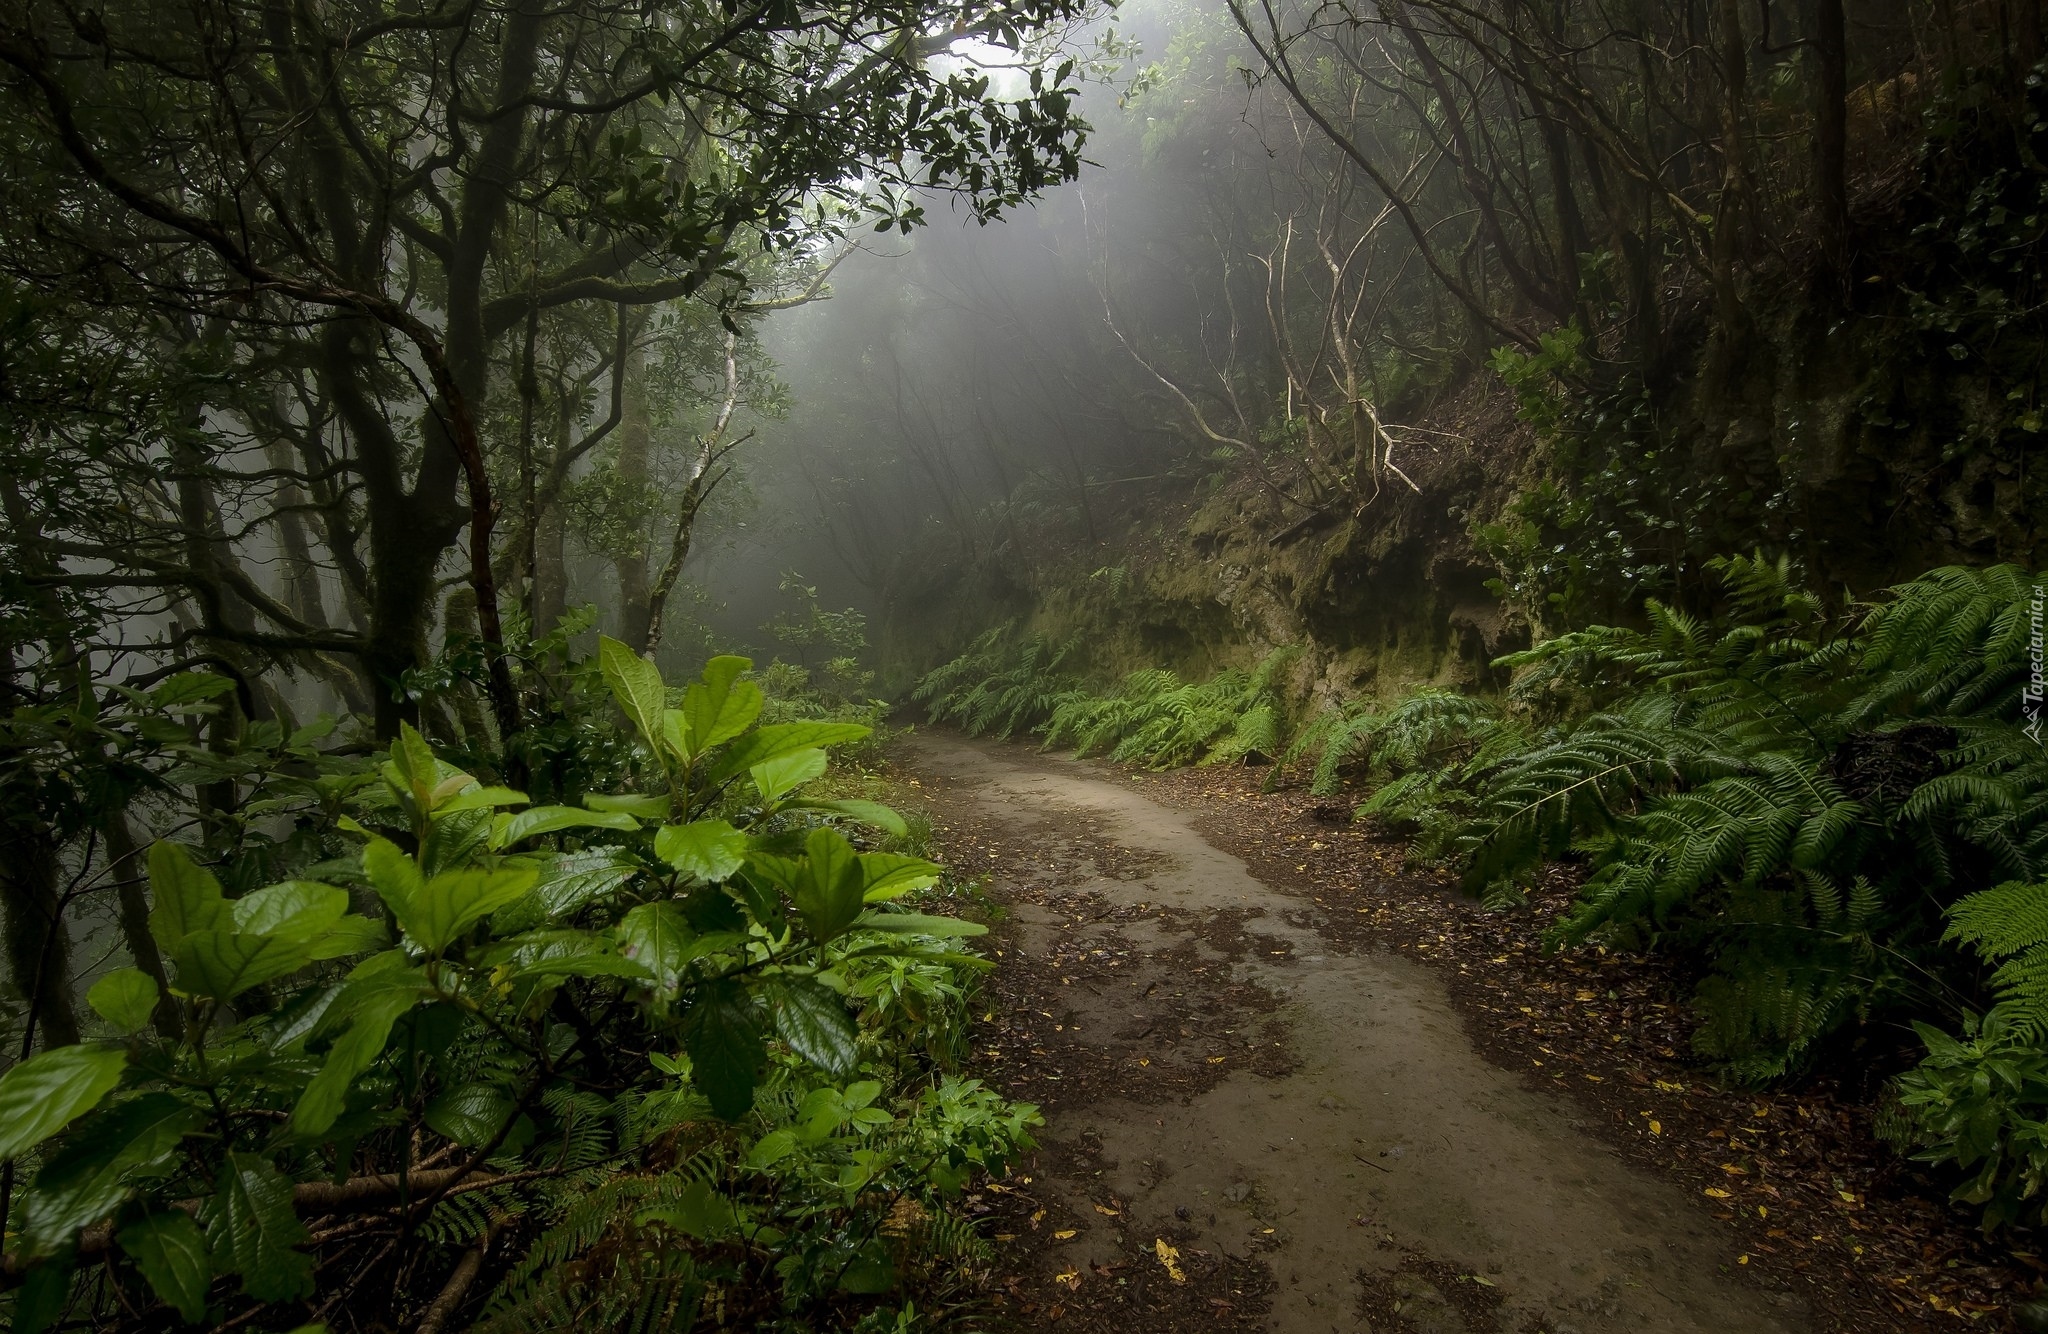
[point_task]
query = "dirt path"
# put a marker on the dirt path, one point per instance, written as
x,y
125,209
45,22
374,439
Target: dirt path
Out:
x,y
1304,1136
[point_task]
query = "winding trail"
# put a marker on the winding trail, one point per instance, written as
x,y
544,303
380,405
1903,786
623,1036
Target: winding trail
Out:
x,y
1392,1181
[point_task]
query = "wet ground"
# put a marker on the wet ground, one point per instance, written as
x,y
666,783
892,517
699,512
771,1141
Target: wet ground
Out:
x,y
1253,1125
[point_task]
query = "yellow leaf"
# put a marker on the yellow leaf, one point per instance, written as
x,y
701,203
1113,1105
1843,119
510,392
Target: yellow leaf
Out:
x,y
1006,1236
1105,1209
1072,1278
1144,1060
1169,1256
1666,1086
1064,1233
1037,1217
1717,1193
1847,1195
1734,1170
1218,1060
1742,1259
1656,1127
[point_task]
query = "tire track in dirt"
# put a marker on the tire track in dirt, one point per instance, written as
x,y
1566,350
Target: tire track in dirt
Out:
x,y
1250,1130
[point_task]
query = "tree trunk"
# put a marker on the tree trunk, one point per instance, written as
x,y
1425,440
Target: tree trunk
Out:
x,y
635,449
1831,131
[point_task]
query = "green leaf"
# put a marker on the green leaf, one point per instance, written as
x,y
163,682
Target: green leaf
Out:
x,y
88,1178
699,1211
813,1020
706,849
45,1292
724,1041
454,901
576,878
888,875
170,1251
719,706
828,893
636,684
375,999
657,937
572,954
184,896
786,773
224,964
470,1114
872,813
480,798
395,876
190,688
46,1092
255,1232
509,829
919,924
296,910
125,998
646,805
778,739
772,1148
350,935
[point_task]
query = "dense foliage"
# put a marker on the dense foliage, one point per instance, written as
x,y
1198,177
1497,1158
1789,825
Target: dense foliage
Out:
x,y
671,1055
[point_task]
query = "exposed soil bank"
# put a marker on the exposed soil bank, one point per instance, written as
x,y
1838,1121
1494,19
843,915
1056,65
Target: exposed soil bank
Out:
x,y
1303,1133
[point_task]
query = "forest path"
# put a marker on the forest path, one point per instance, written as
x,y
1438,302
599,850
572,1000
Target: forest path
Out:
x,y
1222,1079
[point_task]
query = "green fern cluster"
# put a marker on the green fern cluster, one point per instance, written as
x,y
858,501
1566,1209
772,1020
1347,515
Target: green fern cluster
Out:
x,y
1423,755
1000,686
1793,794
1155,718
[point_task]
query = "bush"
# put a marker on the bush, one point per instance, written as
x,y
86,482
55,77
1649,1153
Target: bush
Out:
x,y
612,1060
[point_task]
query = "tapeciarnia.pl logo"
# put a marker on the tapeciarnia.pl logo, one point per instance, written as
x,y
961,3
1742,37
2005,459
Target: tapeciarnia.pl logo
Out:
x,y
2030,696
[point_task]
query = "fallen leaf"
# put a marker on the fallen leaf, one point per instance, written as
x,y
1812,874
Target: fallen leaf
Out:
x,y
1218,1060
1717,1193
1666,1086
1656,1127
1105,1209
1169,1256
1072,1278
1064,1233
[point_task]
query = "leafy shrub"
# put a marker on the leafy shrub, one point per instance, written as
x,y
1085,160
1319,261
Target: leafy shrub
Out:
x,y
1979,1105
1792,795
611,1060
1157,719
999,686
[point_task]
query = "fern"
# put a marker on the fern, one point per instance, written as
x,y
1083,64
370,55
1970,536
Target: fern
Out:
x,y
1156,719
998,686
1855,770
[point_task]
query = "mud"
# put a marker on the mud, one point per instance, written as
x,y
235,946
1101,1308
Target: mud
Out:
x,y
1223,1081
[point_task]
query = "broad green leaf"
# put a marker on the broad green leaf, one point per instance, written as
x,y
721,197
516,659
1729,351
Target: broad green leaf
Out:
x,y
786,773
350,935
636,684
772,1148
828,893
646,805
872,813
454,901
46,1092
777,739
571,954
224,964
296,910
471,1114
184,896
254,1230
44,1294
814,1022
125,998
719,706
454,842
171,1252
887,875
516,828
656,937
190,688
919,924
480,798
698,1211
395,876
706,849
723,1037
577,878
375,999
87,1179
